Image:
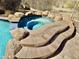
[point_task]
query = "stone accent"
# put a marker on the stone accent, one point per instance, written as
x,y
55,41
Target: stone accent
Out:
x,y
19,33
18,14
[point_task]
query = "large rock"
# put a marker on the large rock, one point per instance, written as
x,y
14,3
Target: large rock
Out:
x,y
19,33
18,14
15,17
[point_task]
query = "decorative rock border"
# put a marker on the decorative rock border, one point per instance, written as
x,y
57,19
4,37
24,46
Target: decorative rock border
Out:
x,y
17,15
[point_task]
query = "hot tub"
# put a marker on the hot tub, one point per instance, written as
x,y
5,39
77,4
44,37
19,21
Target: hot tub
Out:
x,y
33,22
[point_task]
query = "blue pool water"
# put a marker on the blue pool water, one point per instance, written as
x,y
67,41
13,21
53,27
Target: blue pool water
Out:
x,y
34,22
5,36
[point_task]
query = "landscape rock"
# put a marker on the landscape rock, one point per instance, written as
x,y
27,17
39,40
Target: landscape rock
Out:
x,y
51,15
13,18
58,18
27,13
38,13
19,33
18,14
45,13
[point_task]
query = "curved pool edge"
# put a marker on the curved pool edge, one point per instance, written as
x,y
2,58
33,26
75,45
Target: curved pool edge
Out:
x,y
5,36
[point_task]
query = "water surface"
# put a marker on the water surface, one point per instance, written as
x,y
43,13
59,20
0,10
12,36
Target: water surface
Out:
x,y
5,36
33,22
